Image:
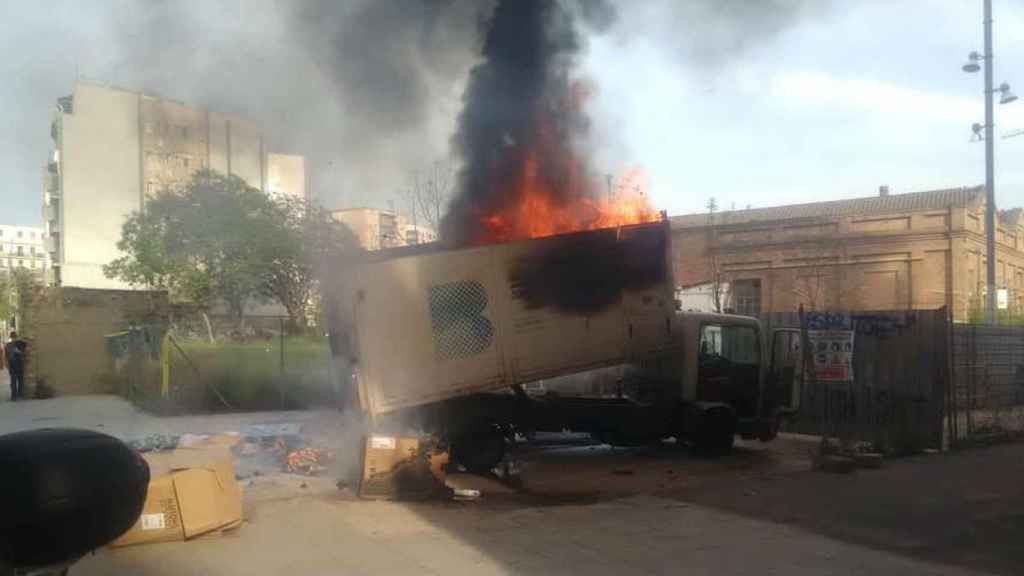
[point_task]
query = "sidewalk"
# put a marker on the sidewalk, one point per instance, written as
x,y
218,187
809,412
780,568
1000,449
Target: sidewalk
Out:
x,y
639,535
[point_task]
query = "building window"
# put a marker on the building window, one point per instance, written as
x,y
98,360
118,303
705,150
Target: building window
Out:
x,y
21,263
746,297
32,264
19,233
21,250
32,249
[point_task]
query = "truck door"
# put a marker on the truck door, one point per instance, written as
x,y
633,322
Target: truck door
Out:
x,y
729,366
784,385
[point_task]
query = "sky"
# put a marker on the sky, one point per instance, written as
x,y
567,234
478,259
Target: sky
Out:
x,y
751,103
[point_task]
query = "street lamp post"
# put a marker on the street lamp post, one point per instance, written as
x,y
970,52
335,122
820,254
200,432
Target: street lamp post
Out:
x,y
1006,96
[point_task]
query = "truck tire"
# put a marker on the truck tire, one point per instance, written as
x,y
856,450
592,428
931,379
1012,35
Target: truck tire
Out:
x,y
478,452
716,433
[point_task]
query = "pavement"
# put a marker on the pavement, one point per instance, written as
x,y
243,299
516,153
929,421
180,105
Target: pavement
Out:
x,y
636,535
263,469
584,508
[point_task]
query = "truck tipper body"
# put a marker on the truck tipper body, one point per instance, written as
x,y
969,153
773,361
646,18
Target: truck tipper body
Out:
x,y
452,336
437,325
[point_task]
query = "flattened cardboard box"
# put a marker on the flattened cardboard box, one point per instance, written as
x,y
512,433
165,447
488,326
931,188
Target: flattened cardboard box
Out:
x,y
192,491
381,454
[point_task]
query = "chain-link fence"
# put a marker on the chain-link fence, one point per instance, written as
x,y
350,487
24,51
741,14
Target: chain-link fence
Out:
x,y
218,365
987,393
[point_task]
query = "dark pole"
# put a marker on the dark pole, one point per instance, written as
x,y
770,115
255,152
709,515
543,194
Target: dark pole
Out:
x,y
990,184
280,366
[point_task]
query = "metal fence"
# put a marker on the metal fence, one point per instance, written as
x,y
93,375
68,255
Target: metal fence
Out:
x,y
986,396
895,397
184,366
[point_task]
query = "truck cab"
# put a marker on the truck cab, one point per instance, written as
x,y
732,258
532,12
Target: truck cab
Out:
x,y
735,377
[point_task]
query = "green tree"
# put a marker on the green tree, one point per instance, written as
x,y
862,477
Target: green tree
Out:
x,y
203,242
299,238
8,302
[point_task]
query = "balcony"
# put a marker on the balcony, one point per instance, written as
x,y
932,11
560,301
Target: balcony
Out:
x,y
52,243
51,181
66,104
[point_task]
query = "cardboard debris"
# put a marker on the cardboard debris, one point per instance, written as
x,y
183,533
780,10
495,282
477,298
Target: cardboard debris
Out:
x,y
396,467
192,492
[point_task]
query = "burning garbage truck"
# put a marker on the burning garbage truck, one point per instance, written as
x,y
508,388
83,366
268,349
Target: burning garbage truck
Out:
x,y
544,275
452,342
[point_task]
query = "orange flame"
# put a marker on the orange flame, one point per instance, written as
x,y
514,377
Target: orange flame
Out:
x,y
538,210
550,192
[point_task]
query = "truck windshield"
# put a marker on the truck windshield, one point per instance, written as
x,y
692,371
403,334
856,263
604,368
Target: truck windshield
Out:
x,y
737,344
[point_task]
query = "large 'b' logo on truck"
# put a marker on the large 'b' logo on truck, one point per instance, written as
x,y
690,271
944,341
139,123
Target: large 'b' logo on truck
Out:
x,y
456,313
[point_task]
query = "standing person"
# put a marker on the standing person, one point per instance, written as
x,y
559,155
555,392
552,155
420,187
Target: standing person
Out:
x,y
14,353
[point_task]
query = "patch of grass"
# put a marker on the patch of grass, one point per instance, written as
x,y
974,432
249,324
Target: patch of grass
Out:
x,y
249,375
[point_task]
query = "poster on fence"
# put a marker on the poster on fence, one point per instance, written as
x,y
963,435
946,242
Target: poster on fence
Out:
x,y
833,354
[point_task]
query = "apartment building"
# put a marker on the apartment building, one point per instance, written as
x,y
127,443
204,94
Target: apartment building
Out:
x,y
23,247
114,148
376,228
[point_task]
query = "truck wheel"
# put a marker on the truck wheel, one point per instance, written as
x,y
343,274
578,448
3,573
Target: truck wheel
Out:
x,y
716,433
770,431
479,452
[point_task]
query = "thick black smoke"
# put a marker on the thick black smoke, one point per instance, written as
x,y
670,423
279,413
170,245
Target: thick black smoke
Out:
x,y
521,100
518,99
586,272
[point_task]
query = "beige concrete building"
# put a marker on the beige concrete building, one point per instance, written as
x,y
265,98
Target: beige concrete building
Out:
x,y
378,229
888,252
286,174
114,147
23,247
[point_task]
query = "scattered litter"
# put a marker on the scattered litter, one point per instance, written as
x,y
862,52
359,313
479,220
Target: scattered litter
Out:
x,y
190,440
154,442
265,430
224,439
622,472
308,461
508,469
465,494
247,449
